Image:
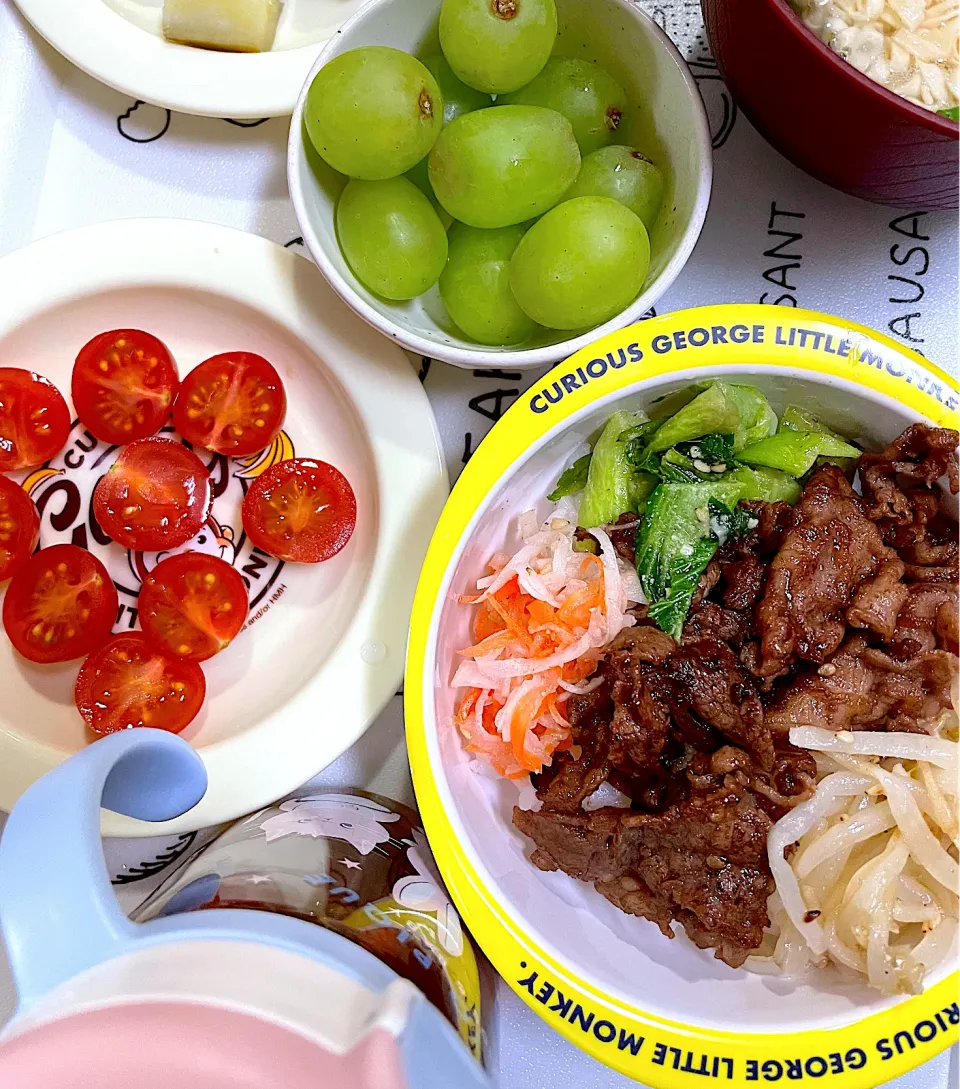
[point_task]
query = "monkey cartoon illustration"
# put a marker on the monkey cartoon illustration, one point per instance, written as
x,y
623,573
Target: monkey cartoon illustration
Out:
x,y
214,539
63,491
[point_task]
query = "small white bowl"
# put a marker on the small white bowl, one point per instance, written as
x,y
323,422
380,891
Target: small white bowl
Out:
x,y
323,648
666,121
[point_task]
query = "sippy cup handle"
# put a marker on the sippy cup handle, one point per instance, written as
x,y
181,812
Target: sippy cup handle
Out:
x,y
58,911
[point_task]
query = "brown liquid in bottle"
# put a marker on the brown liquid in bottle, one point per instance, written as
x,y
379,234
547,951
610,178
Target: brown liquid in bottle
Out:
x,y
354,863
399,949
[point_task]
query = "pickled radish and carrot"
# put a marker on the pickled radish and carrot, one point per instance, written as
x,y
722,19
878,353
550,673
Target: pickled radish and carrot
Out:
x,y
542,617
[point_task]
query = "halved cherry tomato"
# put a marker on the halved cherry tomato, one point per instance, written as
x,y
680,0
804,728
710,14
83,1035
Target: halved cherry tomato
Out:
x,y
233,404
60,605
34,419
300,510
192,606
19,527
154,497
129,683
124,385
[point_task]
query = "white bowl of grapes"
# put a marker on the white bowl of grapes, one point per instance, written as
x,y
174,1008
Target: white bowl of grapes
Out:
x,y
500,182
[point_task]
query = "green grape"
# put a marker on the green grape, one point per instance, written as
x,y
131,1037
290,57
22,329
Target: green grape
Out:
x,y
505,165
458,98
587,96
581,264
391,237
373,113
497,45
625,175
475,285
421,179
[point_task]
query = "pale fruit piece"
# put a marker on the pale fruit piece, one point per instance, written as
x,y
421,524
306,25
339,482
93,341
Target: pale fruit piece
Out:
x,y
475,285
391,236
237,26
504,165
580,265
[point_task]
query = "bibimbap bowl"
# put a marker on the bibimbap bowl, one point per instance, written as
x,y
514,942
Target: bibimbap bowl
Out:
x,y
663,1012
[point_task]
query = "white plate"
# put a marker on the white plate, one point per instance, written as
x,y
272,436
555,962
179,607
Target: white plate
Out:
x,y
119,42
323,649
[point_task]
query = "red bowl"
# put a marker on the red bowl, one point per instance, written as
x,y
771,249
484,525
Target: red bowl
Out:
x,y
824,115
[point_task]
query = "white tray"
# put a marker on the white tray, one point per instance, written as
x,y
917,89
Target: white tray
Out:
x,y
75,152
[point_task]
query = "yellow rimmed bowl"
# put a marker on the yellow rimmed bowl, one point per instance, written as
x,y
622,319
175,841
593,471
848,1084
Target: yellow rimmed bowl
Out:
x,y
663,1012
